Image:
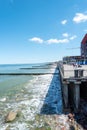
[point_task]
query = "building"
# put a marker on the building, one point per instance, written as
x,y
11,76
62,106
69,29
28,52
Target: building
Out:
x,y
82,59
84,47
71,59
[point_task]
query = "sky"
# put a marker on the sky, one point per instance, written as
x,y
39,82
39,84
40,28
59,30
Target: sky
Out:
x,y
35,31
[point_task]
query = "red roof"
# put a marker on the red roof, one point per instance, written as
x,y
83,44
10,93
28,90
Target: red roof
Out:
x,y
84,40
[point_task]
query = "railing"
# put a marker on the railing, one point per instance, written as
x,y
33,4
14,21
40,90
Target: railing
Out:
x,y
61,69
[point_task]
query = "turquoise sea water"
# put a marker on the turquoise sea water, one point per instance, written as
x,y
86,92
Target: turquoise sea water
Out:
x,y
16,82
29,94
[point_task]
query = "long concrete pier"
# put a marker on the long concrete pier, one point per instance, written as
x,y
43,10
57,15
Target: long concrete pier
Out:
x,y
72,79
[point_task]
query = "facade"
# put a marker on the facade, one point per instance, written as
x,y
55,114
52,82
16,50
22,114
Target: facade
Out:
x,y
69,59
82,59
84,47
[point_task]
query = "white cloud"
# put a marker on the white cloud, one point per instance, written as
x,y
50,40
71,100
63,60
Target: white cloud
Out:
x,y
73,37
64,22
65,34
56,41
50,41
80,17
36,39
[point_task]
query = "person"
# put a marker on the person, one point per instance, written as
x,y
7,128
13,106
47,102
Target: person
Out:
x,y
75,64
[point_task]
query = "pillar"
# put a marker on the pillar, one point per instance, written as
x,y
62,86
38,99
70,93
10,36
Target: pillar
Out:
x,y
65,94
76,95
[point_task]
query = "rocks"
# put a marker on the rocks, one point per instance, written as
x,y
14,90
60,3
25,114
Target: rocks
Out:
x,y
57,122
10,116
71,116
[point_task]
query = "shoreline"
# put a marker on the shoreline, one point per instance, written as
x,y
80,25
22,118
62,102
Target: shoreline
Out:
x,y
39,106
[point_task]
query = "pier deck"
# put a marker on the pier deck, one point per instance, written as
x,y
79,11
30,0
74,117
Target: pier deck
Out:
x,y
69,71
72,79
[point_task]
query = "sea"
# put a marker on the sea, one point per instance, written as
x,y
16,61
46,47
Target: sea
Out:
x,y
30,90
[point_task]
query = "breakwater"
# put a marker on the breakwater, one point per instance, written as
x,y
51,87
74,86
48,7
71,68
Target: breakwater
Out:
x,y
28,73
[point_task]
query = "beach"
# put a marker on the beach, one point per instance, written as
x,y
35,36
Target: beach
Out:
x,y
33,100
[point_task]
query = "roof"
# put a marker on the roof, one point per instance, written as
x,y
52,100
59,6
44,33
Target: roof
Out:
x,y
84,40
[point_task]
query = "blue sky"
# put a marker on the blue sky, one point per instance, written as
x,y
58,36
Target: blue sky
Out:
x,y
33,31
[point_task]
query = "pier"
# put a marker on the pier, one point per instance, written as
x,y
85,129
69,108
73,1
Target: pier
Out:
x,y
73,80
